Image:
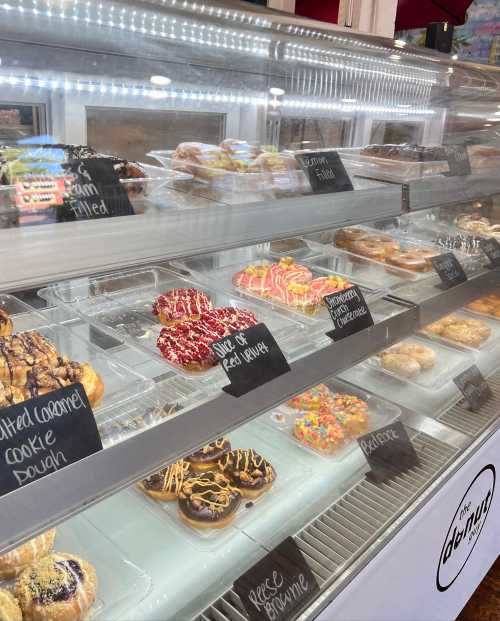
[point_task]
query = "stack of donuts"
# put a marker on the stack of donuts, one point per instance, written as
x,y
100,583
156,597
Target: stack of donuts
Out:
x,y
210,484
384,248
48,585
30,366
289,283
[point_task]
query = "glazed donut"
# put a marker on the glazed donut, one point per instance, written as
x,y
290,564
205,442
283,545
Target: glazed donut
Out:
x,y
180,304
472,222
59,587
12,563
344,237
388,244
425,356
20,352
400,364
248,471
6,326
208,456
208,501
368,248
412,260
167,483
9,607
254,278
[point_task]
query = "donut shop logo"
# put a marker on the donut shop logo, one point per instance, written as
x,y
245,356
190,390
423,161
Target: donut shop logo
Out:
x,y
466,527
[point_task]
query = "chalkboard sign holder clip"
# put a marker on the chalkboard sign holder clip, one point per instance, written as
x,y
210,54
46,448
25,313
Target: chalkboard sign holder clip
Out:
x,y
241,389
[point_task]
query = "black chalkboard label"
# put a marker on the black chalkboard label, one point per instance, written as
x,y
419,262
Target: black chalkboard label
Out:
x,y
474,387
250,358
45,434
449,269
388,451
96,191
278,586
491,249
458,160
349,312
325,171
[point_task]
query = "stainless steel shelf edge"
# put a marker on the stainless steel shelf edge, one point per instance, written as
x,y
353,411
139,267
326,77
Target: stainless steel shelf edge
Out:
x,y
102,474
58,251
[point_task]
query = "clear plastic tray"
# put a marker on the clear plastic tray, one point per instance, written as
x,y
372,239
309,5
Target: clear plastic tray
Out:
x,y
120,304
114,597
482,315
380,413
390,170
449,363
215,269
125,390
289,475
492,341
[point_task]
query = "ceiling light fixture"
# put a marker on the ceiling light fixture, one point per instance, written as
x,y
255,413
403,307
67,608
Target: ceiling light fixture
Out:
x,y
160,80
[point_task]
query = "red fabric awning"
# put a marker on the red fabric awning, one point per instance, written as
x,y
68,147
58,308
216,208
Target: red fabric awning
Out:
x,y
420,13
324,10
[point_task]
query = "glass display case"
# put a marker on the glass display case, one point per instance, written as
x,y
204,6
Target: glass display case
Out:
x,y
178,174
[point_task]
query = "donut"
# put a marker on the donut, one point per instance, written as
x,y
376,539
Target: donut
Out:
x,y
167,483
10,395
324,285
425,356
13,562
42,380
297,295
344,237
6,326
180,304
321,432
311,399
59,587
368,248
20,352
9,607
400,364
463,334
389,245
254,278
248,471
410,260
209,455
479,326
208,501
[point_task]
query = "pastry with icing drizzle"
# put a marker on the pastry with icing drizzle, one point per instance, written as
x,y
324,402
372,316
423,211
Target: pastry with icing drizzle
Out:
x,y
181,304
6,326
167,483
59,587
209,455
20,352
208,501
41,380
12,563
248,471
10,395
9,607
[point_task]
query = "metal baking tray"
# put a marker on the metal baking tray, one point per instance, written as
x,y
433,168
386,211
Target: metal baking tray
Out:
x,y
120,304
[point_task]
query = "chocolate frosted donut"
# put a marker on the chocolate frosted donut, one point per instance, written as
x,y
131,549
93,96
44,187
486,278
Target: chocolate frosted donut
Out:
x,y
167,483
207,457
208,501
59,587
5,323
248,471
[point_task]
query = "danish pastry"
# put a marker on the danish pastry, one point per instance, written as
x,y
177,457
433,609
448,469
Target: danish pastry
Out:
x,y
248,471
167,483
59,587
20,352
208,501
13,562
9,607
5,323
180,304
208,456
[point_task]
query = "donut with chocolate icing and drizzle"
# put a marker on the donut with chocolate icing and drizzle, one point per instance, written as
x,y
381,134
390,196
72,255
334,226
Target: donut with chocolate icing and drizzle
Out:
x,y
20,352
209,455
6,326
180,304
248,471
9,607
167,483
208,501
187,344
59,587
12,563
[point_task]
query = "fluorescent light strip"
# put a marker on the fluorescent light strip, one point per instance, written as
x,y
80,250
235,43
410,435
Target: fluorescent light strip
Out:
x,y
329,105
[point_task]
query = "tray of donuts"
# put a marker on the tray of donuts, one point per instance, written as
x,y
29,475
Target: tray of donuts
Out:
x,y
223,486
37,357
171,317
69,574
327,419
419,362
292,287
465,330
